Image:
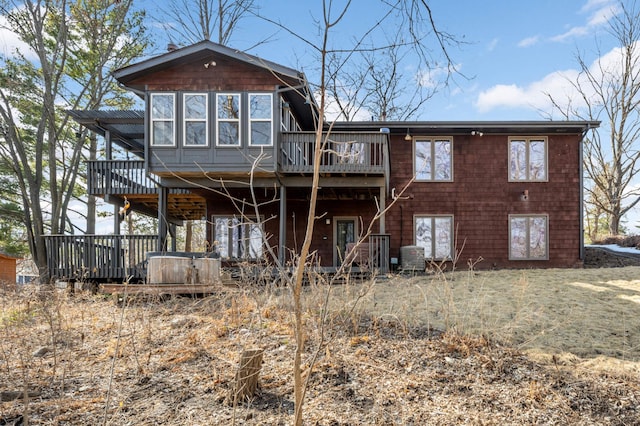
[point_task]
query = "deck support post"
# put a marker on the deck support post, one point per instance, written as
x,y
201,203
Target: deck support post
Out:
x,y
282,231
383,205
163,216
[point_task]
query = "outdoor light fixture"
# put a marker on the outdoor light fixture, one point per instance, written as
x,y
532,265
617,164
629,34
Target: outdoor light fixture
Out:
x,y
407,136
525,195
327,221
476,133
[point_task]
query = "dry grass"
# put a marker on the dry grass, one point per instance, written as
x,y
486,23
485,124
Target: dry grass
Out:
x,y
588,313
521,347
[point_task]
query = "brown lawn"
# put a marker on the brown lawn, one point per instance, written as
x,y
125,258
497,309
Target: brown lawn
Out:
x,y
489,347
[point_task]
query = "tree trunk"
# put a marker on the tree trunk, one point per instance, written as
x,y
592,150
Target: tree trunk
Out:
x,y
247,376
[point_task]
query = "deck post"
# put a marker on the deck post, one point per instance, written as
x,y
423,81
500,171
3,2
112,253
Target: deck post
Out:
x,y
163,216
383,205
282,232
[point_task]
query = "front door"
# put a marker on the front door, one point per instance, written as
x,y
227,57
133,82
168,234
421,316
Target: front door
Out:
x,y
346,231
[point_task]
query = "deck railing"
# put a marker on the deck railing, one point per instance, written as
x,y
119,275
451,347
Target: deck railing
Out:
x,y
345,152
99,257
117,177
379,252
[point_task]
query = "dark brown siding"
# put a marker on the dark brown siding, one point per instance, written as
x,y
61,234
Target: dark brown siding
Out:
x,y
225,76
481,199
297,211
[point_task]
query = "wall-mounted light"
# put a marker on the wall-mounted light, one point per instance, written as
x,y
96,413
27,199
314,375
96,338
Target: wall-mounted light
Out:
x,y
525,195
327,221
408,137
210,64
476,133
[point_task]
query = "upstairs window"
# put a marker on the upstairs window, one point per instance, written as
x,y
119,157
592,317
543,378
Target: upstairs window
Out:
x,y
433,159
237,238
163,119
260,119
228,119
195,119
528,237
527,159
435,234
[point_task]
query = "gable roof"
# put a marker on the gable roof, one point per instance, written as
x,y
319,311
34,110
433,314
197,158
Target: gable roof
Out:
x,y
205,50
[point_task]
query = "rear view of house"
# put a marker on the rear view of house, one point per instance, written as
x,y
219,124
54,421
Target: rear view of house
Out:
x,y
228,138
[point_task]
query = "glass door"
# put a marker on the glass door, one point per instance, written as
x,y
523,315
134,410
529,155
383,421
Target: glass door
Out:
x,y
345,233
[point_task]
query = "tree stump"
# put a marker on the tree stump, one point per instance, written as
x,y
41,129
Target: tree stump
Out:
x,y
246,381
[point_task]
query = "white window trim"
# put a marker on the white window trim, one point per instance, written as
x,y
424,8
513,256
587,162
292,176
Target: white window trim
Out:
x,y
227,120
530,216
433,240
153,120
432,139
185,119
261,120
528,140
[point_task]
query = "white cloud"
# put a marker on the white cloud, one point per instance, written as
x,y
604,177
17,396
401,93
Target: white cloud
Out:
x,y
532,96
600,12
10,42
492,44
558,84
529,41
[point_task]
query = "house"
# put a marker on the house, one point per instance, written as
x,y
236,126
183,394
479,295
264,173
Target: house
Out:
x,y
224,131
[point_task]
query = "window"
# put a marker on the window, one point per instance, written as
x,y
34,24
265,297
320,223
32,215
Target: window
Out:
x,y
162,119
260,130
528,237
435,234
195,119
527,159
433,159
237,238
228,123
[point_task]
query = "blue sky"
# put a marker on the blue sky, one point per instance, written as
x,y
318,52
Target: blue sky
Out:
x,y
514,51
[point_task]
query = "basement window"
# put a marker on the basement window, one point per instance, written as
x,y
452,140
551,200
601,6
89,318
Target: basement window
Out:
x,y
528,237
435,234
238,238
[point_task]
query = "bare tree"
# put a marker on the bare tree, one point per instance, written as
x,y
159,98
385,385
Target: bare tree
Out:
x,y
370,80
215,20
38,141
419,21
609,90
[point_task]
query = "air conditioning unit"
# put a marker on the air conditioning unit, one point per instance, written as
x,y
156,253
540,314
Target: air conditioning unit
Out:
x,y
412,258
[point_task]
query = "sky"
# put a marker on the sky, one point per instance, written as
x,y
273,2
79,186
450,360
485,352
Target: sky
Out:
x,y
512,51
